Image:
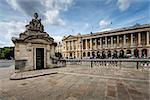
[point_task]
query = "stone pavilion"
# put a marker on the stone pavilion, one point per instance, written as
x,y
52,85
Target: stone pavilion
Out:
x,y
34,46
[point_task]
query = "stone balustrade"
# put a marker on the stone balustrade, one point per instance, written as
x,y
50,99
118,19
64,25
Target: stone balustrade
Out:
x,y
111,63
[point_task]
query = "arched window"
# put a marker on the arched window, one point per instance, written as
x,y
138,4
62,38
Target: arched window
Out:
x,y
88,54
121,54
109,54
103,55
136,53
144,53
84,54
115,54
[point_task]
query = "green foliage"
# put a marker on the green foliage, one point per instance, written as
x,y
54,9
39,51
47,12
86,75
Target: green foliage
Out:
x,y
7,53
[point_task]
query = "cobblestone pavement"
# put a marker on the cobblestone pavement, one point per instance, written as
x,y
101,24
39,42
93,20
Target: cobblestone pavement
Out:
x,y
6,68
6,63
80,83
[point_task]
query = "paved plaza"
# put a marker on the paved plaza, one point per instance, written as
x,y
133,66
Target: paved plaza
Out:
x,y
79,83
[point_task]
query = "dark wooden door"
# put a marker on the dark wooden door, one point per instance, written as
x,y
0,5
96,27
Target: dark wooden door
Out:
x,y
39,58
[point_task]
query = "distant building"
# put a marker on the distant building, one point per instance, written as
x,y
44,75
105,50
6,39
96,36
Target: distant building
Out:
x,y
59,47
118,43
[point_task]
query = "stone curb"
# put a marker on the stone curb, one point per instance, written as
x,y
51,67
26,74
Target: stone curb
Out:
x,y
20,76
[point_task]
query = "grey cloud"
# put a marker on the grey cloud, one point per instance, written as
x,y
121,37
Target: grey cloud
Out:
x,y
42,7
29,6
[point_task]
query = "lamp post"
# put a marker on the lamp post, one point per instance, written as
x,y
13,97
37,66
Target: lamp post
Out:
x,y
81,46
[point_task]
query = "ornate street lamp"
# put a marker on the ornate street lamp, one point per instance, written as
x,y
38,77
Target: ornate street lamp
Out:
x,y
81,46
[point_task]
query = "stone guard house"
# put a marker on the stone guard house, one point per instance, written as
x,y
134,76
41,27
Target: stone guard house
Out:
x,y
34,48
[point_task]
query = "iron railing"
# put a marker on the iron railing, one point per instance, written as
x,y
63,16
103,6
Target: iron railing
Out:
x,y
138,63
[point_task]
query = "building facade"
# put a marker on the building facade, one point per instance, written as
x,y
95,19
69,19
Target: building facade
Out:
x,y
119,43
59,47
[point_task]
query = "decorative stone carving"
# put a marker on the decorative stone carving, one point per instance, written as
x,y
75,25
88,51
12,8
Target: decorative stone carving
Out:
x,y
34,30
35,24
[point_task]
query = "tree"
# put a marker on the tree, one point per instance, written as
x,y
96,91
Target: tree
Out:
x,y
7,53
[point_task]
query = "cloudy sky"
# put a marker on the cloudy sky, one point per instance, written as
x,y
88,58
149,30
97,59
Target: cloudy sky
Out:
x,y
64,17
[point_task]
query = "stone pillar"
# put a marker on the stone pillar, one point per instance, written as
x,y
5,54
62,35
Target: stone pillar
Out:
x,y
65,46
124,40
139,39
100,40
131,40
96,44
91,44
112,46
77,46
86,47
106,42
147,38
117,41
68,43
72,45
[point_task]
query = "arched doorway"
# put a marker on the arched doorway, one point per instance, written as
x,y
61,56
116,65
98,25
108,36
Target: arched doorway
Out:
x,y
70,55
144,53
129,53
115,54
98,54
103,55
136,53
93,54
121,54
109,54
88,54
84,54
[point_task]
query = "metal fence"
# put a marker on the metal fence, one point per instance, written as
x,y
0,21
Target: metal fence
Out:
x,y
109,63
120,63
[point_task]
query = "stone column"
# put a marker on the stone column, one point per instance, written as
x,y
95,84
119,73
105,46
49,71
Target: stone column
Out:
x,y
65,46
124,40
81,45
131,40
91,44
112,42
100,40
77,45
86,47
68,43
72,45
106,42
117,41
139,39
147,39
96,44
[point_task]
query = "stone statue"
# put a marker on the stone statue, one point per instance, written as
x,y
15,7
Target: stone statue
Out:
x,y
35,24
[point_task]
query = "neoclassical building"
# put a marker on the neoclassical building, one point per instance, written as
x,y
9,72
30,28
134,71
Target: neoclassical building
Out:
x,y
118,43
59,47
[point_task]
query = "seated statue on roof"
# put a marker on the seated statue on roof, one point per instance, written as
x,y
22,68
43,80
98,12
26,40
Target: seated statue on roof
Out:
x,y
35,24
